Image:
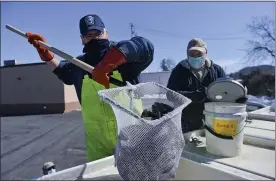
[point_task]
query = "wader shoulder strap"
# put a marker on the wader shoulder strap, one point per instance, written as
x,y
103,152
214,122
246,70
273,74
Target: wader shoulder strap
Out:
x,y
115,78
116,82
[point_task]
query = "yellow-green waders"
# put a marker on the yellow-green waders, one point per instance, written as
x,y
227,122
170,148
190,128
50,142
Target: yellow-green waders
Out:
x,y
99,120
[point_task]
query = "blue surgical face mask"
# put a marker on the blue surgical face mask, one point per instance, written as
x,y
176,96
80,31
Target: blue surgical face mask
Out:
x,y
196,62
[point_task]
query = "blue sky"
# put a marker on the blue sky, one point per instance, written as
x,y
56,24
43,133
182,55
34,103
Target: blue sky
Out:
x,y
169,25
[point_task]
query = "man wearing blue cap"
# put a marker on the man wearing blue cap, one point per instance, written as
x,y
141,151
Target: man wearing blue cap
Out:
x,y
115,63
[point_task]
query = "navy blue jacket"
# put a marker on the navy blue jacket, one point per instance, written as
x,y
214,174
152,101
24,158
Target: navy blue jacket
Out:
x,y
183,80
139,54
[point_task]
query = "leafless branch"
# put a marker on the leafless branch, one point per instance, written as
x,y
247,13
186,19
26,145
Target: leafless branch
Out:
x,y
167,64
263,47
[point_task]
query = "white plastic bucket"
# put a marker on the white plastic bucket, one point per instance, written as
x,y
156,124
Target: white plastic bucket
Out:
x,y
224,125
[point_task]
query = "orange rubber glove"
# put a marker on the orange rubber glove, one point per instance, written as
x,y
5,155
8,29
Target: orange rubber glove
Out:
x,y
113,58
44,54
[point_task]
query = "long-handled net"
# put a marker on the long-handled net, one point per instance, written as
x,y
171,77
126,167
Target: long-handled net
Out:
x,y
150,139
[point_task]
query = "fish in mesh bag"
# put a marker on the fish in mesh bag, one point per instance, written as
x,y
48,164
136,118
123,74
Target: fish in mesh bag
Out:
x,y
150,139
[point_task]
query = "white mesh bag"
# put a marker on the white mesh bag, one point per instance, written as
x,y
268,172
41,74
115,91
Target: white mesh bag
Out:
x,y
146,149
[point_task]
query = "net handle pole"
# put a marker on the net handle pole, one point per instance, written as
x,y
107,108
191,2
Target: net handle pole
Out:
x,y
56,51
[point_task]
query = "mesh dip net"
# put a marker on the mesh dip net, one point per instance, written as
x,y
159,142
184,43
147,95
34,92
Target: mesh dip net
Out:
x,y
150,139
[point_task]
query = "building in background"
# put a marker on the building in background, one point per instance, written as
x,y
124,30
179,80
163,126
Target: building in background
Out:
x,y
29,89
158,77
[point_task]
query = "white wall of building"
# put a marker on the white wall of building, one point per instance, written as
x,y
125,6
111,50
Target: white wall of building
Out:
x,y
158,77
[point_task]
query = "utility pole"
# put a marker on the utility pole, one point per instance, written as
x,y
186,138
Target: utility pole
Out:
x,y
225,69
132,30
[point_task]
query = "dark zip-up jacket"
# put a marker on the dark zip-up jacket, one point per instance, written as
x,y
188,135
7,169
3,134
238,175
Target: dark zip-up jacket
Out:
x,y
139,54
184,81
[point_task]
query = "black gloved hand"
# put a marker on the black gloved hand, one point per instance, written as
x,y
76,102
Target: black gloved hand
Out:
x,y
242,100
161,109
158,110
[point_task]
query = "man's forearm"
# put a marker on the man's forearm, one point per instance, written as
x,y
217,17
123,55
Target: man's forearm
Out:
x,y
53,64
62,69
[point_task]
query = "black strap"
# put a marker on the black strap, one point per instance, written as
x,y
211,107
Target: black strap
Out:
x,y
218,135
116,82
112,80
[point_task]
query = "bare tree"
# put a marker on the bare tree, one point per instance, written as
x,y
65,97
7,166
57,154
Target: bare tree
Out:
x,y
263,46
167,64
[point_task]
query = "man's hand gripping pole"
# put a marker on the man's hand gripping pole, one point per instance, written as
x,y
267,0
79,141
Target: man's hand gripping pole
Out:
x,y
56,51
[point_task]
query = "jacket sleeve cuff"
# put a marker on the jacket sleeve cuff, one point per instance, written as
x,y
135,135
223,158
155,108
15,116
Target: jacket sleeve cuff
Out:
x,y
64,73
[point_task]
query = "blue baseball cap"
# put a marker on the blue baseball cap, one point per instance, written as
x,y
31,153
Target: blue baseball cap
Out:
x,y
91,22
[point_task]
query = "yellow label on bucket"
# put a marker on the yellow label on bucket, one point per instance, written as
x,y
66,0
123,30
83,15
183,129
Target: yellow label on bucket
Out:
x,y
226,127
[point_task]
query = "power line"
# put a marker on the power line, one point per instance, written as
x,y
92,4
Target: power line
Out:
x,y
178,35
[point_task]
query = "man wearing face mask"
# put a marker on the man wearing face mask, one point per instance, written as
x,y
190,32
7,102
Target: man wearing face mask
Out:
x,y
115,63
191,77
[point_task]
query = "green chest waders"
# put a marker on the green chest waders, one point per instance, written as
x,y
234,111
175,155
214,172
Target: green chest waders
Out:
x,y
99,119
